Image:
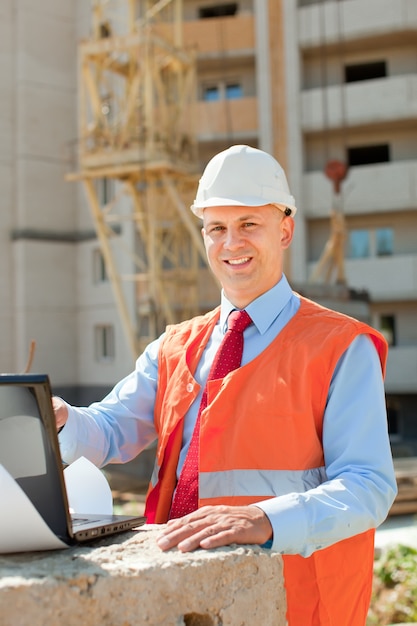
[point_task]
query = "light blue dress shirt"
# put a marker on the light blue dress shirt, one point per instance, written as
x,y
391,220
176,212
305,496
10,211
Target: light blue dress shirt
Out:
x,y
361,481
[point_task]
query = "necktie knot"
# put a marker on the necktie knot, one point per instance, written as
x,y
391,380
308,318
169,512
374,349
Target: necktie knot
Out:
x,y
238,321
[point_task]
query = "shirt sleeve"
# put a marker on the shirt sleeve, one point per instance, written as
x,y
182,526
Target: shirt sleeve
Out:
x,y
360,486
121,425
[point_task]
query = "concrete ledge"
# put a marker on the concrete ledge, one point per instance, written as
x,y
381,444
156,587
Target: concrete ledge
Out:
x,y
127,581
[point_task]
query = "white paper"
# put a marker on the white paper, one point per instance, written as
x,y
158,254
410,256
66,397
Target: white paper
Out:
x,y
22,529
87,489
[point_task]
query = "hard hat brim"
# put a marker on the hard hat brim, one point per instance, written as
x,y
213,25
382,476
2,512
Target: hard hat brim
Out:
x,y
198,208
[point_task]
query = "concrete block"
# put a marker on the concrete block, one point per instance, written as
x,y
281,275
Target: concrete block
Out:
x,y
127,581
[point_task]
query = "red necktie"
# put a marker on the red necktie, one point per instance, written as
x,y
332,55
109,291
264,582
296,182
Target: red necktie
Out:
x,y
227,359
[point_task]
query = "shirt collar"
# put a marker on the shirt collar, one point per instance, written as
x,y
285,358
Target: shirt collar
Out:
x,y
264,310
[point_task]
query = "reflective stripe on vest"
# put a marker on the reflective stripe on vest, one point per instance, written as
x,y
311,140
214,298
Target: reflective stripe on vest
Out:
x,y
258,483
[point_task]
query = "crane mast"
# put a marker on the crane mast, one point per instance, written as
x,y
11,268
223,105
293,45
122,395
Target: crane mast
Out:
x,y
137,142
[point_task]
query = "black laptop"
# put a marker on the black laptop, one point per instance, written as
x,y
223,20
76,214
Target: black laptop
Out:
x,y
29,451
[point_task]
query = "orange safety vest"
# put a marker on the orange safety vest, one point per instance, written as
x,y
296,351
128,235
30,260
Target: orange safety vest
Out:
x,y
261,437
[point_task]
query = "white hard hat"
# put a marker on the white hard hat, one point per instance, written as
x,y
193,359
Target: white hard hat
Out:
x,y
243,176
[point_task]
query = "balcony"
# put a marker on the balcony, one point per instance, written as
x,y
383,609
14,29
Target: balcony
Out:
x,y
336,22
217,37
232,119
367,189
401,374
385,278
377,101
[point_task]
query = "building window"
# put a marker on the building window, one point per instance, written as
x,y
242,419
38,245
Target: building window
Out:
x,y
99,267
359,247
144,326
394,422
104,342
305,3
365,71
211,93
218,10
105,190
168,259
365,155
365,243
222,91
387,328
384,241
233,91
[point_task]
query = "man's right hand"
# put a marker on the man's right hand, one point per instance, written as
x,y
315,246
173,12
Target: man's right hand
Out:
x,y
60,410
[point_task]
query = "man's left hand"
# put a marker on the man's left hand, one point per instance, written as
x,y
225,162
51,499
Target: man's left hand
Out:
x,y
215,526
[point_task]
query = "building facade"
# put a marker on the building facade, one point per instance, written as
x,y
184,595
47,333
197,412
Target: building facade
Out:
x,y
309,81
356,83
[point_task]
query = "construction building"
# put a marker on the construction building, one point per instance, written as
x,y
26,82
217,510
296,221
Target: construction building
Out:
x,y
101,154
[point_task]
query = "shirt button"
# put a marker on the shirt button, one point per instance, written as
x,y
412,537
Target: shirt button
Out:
x,y
190,387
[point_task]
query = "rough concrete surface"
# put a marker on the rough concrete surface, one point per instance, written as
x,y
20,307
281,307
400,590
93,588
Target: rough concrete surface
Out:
x,y
127,581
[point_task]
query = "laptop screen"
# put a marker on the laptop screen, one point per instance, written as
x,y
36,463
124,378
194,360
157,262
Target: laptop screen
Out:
x,y
28,446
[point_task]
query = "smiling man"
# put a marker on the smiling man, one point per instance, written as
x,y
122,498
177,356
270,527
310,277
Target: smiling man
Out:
x,y
245,249
269,411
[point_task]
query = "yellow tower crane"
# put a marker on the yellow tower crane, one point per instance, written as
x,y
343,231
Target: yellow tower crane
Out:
x,y
137,137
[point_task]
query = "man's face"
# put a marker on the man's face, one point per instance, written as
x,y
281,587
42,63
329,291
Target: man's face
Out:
x,y
245,248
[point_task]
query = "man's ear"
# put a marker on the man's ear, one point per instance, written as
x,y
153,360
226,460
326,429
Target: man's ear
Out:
x,y
287,231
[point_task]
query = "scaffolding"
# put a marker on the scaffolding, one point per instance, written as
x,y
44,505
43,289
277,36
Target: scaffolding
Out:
x,y
137,141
